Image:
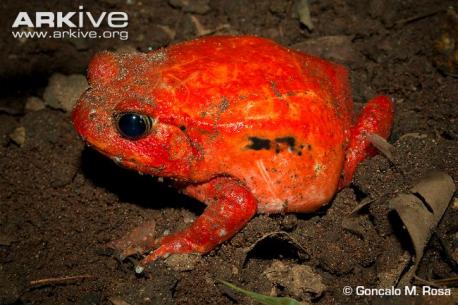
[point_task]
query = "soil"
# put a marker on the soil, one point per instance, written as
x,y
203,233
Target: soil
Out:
x,y
61,202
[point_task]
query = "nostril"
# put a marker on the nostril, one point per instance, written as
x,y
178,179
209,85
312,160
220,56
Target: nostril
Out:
x,y
92,114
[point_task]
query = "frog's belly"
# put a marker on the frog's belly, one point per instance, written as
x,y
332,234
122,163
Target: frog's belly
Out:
x,y
281,185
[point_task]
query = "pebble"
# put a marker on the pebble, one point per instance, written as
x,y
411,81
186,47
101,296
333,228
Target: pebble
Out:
x,y
18,136
64,91
34,103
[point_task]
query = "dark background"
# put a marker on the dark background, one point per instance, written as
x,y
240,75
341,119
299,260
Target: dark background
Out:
x,y
60,203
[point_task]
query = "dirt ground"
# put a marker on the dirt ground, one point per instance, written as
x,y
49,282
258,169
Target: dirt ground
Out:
x,y
61,202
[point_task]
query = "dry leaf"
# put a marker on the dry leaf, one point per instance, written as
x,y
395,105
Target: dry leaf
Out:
x,y
382,146
202,31
420,212
138,240
303,11
282,237
167,30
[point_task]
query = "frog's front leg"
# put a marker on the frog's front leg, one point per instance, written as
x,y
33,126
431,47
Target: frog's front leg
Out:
x,y
376,117
229,207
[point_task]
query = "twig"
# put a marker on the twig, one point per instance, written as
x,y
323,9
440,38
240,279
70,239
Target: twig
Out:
x,y
449,282
417,17
60,280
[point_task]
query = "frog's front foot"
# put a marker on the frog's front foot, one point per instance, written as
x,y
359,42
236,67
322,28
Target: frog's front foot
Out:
x,y
376,117
230,207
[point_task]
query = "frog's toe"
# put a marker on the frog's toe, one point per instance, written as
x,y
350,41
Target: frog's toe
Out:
x,y
169,245
230,207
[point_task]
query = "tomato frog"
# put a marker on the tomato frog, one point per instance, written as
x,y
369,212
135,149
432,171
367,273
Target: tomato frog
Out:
x,y
240,123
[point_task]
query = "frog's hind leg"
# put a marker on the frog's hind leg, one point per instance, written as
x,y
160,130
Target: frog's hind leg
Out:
x,y
229,207
376,117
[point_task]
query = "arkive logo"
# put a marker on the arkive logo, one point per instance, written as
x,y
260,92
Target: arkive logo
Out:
x,y
70,25
71,19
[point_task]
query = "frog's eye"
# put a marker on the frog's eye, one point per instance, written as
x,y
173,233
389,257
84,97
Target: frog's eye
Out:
x,y
133,125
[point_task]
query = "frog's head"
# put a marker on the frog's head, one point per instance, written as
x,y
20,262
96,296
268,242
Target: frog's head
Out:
x,y
121,116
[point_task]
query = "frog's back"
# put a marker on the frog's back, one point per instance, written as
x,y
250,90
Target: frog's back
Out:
x,y
274,118
257,78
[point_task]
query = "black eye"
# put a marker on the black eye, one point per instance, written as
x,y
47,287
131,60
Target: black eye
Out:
x,y
133,125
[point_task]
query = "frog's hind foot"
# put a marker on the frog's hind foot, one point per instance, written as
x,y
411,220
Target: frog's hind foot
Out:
x,y
375,118
229,207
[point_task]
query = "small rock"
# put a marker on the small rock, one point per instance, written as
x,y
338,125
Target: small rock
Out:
x,y
126,49
188,217
338,48
446,46
192,6
182,262
235,270
289,222
18,136
300,280
7,124
64,91
34,103
116,300
81,44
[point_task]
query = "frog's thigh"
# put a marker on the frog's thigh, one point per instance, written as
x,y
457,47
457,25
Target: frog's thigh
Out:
x,y
199,192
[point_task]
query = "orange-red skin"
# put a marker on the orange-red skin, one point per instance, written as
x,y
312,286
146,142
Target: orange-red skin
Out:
x,y
212,99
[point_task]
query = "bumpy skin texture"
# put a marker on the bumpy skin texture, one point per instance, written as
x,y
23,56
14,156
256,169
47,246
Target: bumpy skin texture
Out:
x,y
242,123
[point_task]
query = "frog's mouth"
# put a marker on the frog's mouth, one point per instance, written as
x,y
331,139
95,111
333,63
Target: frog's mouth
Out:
x,y
131,163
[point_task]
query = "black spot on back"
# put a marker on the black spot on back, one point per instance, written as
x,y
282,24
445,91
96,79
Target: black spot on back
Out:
x,y
258,143
290,141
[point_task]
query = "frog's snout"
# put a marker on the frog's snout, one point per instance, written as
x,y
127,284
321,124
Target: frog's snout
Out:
x,y
79,118
87,122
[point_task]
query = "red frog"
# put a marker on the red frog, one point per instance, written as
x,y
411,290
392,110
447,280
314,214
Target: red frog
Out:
x,y
239,122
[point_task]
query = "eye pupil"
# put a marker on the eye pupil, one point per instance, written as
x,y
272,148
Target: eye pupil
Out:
x,y
133,125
